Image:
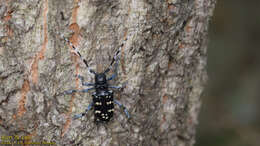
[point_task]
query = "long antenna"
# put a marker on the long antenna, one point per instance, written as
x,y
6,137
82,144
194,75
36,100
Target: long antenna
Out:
x,y
116,56
75,50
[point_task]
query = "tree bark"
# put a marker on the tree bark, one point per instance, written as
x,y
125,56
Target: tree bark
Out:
x,y
163,62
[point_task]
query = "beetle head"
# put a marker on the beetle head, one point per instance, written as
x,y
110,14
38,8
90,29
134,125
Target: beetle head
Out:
x,y
100,79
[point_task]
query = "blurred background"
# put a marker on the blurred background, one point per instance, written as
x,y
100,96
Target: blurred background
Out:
x,y
230,113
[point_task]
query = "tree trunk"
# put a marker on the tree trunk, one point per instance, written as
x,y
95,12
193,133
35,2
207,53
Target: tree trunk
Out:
x,y
163,62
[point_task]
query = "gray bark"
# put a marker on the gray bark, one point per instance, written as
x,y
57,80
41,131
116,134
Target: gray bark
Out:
x,y
163,62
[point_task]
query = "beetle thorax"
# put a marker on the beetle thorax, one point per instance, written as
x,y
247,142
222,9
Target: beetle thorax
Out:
x,y
101,82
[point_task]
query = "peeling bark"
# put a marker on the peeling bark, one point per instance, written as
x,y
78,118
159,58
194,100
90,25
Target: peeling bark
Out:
x,y
163,62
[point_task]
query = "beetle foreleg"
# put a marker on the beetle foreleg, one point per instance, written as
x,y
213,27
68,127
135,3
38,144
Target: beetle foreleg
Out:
x,y
84,83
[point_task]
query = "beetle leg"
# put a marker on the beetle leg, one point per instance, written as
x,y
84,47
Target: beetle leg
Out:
x,y
118,87
84,113
84,83
74,91
124,108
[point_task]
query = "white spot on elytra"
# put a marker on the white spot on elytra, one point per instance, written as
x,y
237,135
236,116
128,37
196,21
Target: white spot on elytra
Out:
x,y
97,111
